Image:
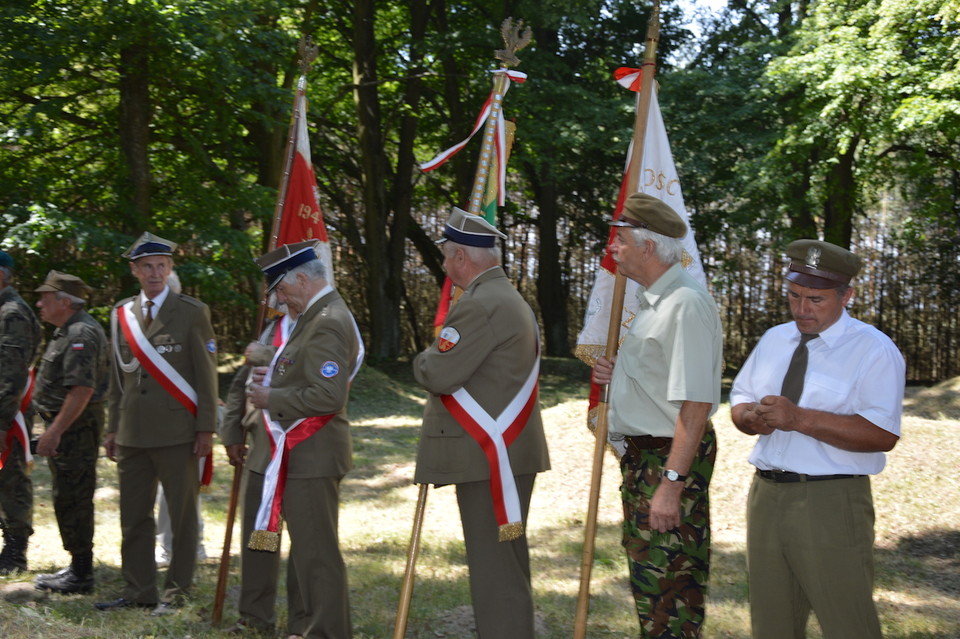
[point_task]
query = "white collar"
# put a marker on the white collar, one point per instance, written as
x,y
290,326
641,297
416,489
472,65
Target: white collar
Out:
x,y
157,301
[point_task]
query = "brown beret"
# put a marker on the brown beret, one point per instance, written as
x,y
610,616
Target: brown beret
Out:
x,y
817,264
647,212
63,282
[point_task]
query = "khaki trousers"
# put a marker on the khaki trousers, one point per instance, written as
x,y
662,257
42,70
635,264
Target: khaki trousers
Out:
x,y
810,546
499,570
139,470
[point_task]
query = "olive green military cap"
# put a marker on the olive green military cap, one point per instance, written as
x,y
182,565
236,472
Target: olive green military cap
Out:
x,y
818,264
648,212
65,283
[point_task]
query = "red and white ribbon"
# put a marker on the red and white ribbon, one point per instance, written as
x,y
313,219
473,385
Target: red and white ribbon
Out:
x,y
628,77
172,381
18,429
442,157
495,436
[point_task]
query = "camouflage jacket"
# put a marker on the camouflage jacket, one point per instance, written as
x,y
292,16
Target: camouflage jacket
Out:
x,y
78,355
19,345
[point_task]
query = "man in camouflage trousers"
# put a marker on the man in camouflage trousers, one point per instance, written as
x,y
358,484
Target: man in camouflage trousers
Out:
x,y
664,387
19,343
71,385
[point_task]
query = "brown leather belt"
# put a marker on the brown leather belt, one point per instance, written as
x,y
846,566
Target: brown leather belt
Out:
x,y
786,477
636,443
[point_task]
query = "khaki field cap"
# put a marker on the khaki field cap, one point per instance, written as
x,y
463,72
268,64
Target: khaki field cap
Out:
x,y
149,244
817,264
647,212
281,261
63,282
470,230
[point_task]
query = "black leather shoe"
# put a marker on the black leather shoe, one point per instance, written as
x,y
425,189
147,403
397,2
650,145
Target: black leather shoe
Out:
x,y
120,602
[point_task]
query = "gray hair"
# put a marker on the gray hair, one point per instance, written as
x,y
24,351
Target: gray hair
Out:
x,y
483,254
76,303
668,250
314,270
173,281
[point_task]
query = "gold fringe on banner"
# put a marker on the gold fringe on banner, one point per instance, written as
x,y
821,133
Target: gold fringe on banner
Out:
x,y
511,531
264,540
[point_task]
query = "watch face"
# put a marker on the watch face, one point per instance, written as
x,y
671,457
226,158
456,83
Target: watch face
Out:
x,y
672,475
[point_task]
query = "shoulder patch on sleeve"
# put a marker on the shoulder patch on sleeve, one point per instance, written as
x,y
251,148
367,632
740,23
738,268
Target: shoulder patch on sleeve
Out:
x,y
449,337
329,369
212,346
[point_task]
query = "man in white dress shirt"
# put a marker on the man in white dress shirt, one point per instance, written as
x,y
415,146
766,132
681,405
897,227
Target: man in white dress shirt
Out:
x,y
824,394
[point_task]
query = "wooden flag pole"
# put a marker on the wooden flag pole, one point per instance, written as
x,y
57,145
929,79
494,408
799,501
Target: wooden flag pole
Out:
x,y
308,53
613,330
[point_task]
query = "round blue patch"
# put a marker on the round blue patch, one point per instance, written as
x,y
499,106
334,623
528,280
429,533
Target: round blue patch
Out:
x,y
329,369
212,346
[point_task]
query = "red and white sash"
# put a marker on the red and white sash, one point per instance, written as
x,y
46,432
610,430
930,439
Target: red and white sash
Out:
x,y
18,429
282,441
153,362
495,436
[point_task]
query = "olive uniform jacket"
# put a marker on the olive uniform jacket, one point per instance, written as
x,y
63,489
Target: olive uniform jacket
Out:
x,y
20,336
489,348
311,378
142,413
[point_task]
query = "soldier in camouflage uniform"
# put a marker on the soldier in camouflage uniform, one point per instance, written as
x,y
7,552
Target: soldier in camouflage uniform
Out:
x,y
71,385
663,390
20,336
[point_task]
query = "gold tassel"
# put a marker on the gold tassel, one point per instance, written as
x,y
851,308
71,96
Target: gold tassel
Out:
x,y
264,540
511,531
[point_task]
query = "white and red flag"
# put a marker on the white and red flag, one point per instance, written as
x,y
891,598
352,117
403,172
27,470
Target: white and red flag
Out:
x,y
658,177
301,218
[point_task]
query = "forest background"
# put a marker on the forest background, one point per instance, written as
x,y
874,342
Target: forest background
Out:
x,y
830,118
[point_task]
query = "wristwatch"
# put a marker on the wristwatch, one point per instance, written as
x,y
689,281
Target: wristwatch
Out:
x,y
672,475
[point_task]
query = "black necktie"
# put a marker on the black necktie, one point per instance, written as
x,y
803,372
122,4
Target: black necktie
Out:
x,y
793,380
149,317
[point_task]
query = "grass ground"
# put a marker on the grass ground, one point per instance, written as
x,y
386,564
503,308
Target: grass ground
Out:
x,y
918,532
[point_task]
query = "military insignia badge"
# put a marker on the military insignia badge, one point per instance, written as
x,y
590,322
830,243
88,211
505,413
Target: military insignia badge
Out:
x,y
77,346
449,337
329,369
212,346
813,257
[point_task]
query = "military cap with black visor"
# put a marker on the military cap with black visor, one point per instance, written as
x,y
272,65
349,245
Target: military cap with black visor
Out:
x,y
820,265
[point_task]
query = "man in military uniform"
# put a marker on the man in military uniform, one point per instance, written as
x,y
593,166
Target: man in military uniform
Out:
x,y
70,388
259,570
482,374
19,345
304,395
162,415
823,394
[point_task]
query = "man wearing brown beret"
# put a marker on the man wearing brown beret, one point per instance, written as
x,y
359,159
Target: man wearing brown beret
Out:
x,y
664,386
824,395
70,389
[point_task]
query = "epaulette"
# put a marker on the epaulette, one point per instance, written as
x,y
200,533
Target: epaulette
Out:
x,y
124,301
190,300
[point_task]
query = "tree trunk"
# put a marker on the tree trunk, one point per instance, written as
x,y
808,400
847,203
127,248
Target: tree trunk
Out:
x,y
134,132
840,197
